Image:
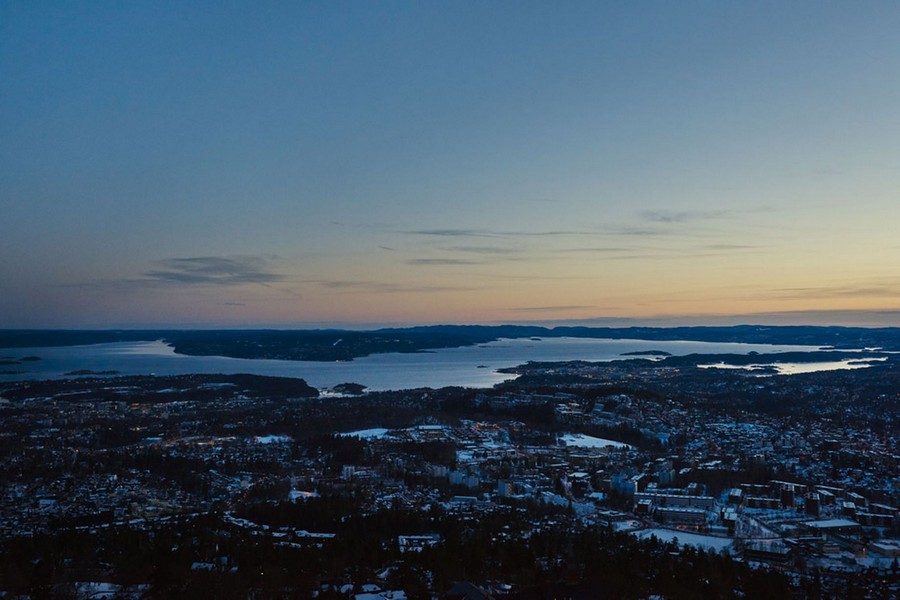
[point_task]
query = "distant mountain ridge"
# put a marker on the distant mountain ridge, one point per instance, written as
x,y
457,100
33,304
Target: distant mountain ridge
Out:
x,y
338,344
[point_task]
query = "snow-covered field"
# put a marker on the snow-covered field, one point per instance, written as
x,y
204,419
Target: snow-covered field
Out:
x,y
579,440
366,434
707,542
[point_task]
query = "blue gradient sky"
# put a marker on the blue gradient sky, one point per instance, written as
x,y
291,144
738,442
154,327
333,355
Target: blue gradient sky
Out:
x,y
230,163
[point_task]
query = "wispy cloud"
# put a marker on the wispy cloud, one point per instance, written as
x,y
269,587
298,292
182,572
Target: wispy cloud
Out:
x,y
639,232
862,290
647,230
365,286
682,216
482,249
728,247
858,318
594,250
563,307
198,271
668,255
214,270
531,278
442,261
659,250
495,233
454,233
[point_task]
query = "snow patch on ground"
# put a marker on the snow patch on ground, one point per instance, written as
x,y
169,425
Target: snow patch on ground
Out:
x,y
367,434
706,542
579,440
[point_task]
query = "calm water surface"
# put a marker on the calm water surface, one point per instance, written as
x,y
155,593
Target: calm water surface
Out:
x,y
472,366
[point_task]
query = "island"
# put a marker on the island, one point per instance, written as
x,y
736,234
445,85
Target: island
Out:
x,y
351,389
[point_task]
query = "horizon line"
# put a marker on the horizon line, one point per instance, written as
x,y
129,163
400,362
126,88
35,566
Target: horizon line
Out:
x,y
868,319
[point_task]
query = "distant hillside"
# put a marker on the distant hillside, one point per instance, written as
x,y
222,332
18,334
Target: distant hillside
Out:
x,y
39,338
336,344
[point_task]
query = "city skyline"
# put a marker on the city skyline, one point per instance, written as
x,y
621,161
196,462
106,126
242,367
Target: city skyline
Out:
x,y
400,163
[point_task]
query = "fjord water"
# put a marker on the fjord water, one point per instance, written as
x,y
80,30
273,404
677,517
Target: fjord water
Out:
x,y
470,366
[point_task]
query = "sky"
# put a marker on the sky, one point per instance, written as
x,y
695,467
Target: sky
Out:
x,y
304,164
